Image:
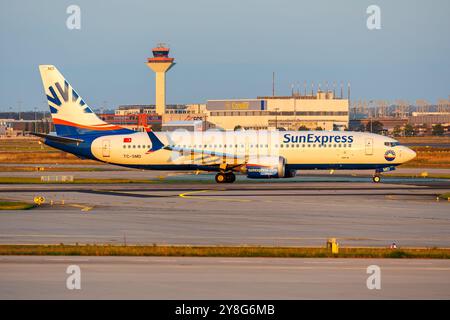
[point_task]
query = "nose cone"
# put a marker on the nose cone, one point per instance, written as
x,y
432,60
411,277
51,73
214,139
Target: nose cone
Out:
x,y
409,154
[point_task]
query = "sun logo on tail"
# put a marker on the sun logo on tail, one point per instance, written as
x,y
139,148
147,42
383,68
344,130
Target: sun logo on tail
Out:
x,y
67,98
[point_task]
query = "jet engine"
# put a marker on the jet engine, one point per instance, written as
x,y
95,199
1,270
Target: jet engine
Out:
x,y
266,167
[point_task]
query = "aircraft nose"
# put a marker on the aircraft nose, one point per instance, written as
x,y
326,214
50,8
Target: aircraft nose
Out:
x,y
409,154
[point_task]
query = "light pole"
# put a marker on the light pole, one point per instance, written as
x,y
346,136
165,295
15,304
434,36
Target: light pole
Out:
x,y
276,118
35,119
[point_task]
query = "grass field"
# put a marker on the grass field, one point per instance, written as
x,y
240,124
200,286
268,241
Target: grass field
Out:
x,y
15,205
218,251
26,180
31,151
421,175
430,140
428,157
445,196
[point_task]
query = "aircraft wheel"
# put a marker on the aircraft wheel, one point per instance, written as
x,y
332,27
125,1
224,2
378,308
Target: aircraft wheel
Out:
x,y
221,178
376,179
231,177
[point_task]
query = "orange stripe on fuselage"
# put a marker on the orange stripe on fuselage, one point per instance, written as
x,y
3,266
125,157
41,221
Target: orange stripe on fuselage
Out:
x,y
93,127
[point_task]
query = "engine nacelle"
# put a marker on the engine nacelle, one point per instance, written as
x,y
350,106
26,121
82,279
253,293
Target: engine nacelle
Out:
x,y
266,167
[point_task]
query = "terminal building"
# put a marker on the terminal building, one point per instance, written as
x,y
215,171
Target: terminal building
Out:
x,y
321,111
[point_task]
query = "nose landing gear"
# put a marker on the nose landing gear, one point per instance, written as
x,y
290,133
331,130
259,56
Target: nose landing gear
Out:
x,y
376,178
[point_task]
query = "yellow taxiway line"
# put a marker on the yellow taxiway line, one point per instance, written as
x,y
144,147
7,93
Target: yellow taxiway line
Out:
x,y
190,195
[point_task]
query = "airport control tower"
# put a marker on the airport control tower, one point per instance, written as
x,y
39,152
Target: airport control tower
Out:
x,y
160,64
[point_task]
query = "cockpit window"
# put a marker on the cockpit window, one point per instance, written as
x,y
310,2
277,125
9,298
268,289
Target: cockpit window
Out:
x,y
392,144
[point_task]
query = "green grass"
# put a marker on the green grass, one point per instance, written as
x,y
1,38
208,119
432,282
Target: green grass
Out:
x,y
44,169
15,205
445,196
25,180
218,251
428,175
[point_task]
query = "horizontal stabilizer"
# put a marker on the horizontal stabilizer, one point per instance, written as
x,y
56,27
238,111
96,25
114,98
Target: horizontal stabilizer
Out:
x,y
57,138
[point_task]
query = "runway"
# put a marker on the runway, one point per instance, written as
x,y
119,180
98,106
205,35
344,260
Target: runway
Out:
x,y
221,278
272,213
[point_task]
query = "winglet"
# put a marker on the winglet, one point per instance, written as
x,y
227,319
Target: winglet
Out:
x,y
156,143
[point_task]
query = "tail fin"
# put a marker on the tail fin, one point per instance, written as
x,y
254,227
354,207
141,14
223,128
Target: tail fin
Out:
x,y
71,115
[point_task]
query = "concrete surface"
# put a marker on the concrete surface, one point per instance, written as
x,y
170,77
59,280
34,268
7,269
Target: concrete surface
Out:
x,y
221,278
294,214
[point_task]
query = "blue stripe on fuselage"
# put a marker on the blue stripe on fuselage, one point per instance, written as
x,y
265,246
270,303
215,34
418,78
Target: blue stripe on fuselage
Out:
x,y
82,150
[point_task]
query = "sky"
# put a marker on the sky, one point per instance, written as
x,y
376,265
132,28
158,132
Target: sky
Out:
x,y
224,49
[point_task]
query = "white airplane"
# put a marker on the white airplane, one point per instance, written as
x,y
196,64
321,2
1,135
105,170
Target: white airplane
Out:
x,y
257,154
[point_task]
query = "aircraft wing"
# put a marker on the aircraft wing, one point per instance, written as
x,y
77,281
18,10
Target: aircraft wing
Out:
x,y
204,152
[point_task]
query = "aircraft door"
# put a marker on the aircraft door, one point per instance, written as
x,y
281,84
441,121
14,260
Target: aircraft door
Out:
x,y
106,148
369,146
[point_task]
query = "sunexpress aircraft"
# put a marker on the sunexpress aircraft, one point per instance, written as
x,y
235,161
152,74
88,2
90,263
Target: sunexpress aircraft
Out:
x,y
257,154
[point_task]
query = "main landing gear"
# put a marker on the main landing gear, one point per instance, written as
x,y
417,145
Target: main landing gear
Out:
x,y
225,177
